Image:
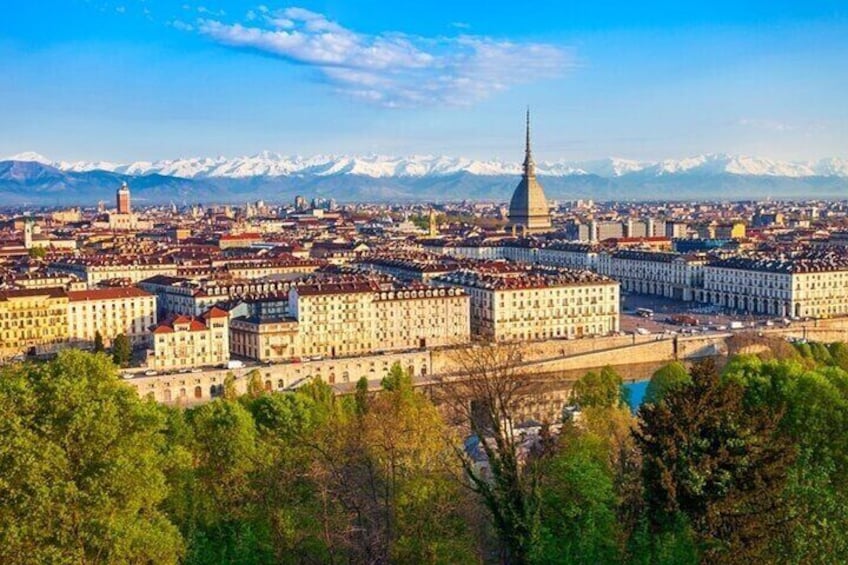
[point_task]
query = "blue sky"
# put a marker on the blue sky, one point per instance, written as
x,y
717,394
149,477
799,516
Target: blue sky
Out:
x,y
128,80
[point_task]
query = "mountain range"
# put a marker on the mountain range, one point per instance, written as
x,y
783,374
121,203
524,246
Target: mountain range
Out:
x,y
30,178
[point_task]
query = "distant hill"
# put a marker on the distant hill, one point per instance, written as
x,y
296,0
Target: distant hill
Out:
x,y
32,179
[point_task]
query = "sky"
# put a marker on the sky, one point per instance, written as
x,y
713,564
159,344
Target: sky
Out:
x,y
128,80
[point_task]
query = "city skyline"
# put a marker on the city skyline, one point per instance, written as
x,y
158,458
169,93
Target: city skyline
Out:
x,y
147,80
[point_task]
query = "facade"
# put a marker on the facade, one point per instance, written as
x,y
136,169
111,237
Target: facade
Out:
x,y
264,338
812,285
123,200
110,311
32,321
94,271
528,209
340,319
650,272
183,342
539,304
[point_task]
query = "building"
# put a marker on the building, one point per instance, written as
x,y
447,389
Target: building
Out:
x,y
528,209
123,198
184,342
95,270
33,320
110,311
265,338
539,303
813,284
653,272
354,317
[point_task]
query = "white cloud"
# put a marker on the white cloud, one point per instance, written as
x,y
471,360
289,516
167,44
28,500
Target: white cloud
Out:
x,y
393,69
181,25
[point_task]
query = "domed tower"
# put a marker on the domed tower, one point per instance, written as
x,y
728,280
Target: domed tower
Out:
x,y
528,209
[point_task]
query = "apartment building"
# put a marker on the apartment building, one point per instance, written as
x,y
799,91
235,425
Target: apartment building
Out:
x,y
803,285
183,342
110,311
538,303
33,320
652,272
343,318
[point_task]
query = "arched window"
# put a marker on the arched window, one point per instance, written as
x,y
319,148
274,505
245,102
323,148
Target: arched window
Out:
x,y
198,392
280,384
182,393
167,395
268,386
213,391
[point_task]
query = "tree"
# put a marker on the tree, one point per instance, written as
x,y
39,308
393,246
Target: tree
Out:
x,y
816,410
578,504
485,396
598,389
716,463
839,354
121,350
81,461
254,384
98,342
37,252
665,379
387,468
396,379
230,390
361,396
225,525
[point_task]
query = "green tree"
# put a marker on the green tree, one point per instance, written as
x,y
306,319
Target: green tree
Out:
x,y
821,354
225,525
230,390
578,504
98,343
665,379
396,379
816,402
717,463
254,384
598,389
362,396
839,354
81,467
37,252
121,350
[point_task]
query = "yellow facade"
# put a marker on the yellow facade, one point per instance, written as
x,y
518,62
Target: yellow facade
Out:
x,y
32,320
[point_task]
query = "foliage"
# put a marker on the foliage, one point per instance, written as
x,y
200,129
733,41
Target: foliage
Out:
x,y
121,350
98,342
598,389
717,463
666,379
37,252
578,504
81,461
743,467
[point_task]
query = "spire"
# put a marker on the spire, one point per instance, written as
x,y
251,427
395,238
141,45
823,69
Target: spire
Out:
x,y
529,166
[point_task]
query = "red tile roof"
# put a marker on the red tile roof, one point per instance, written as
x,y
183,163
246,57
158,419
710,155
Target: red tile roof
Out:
x,y
107,293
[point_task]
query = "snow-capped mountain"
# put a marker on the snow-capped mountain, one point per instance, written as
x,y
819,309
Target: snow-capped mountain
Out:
x,y
268,164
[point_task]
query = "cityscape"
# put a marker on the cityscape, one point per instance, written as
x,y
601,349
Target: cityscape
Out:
x,y
360,358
